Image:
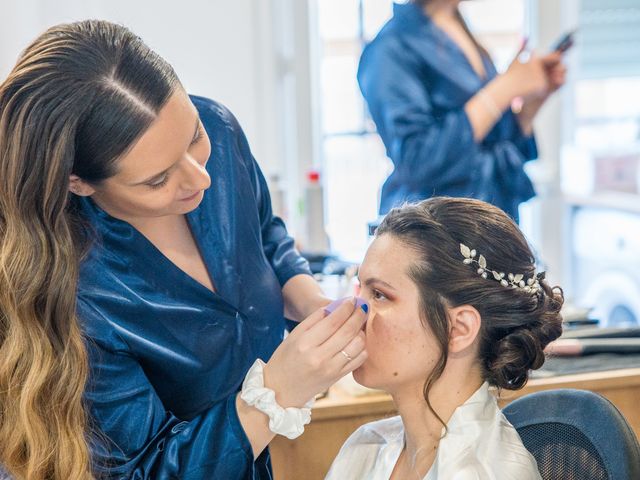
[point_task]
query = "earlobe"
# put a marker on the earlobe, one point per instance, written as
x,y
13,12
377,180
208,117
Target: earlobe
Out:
x,y
80,187
465,327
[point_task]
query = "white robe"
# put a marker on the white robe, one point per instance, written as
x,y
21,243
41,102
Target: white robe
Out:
x,y
480,444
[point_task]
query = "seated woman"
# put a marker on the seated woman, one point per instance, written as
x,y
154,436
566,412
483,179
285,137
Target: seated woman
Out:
x,y
456,306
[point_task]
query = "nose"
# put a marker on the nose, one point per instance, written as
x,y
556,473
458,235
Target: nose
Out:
x,y
194,174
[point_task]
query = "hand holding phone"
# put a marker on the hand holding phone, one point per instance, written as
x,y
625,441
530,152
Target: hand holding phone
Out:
x,y
564,43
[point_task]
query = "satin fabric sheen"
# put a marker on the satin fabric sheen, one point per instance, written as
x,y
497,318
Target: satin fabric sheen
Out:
x,y
480,444
167,355
416,81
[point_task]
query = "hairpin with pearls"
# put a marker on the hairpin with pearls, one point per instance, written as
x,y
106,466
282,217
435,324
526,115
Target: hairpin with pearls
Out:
x,y
518,281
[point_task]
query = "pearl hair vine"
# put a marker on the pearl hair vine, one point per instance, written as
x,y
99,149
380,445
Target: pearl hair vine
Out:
x,y
511,280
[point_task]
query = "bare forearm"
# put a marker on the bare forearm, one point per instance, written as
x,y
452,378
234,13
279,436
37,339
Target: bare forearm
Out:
x,y
527,114
308,361
255,425
302,296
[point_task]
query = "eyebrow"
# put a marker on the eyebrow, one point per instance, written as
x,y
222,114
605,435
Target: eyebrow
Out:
x,y
372,281
157,176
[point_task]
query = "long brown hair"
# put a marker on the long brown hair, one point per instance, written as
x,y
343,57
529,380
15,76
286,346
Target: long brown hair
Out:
x,y
79,97
516,325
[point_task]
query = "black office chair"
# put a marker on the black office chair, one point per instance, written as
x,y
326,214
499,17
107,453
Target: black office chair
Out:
x,y
576,435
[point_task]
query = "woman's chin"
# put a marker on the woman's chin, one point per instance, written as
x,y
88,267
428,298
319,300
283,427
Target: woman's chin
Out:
x,y
184,207
362,375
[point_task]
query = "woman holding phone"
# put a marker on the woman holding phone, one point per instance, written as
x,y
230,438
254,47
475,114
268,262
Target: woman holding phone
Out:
x,y
444,113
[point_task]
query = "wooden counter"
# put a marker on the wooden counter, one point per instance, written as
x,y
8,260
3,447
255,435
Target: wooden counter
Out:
x,y
337,416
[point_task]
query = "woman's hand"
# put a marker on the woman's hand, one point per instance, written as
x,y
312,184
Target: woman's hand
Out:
x,y
529,78
320,351
556,73
532,81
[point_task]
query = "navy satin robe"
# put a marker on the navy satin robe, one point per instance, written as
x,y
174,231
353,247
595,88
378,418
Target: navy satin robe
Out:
x,y
416,81
167,355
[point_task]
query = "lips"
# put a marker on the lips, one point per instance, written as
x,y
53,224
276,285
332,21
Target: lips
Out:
x,y
190,198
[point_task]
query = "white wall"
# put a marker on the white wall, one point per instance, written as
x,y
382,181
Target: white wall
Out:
x,y
252,55
220,48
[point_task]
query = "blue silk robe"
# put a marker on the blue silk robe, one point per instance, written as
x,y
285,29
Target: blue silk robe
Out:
x,y
416,81
167,355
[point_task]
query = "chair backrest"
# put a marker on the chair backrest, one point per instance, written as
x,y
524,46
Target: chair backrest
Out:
x,y
576,435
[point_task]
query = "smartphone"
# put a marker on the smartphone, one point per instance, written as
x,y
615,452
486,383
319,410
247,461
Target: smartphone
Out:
x,y
564,43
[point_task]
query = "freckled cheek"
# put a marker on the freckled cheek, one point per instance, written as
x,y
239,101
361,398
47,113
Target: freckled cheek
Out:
x,y
387,341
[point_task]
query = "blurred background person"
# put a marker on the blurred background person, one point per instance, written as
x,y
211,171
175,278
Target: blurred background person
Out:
x,y
445,114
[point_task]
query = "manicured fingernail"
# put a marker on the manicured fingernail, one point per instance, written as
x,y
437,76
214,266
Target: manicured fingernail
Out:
x,y
361,302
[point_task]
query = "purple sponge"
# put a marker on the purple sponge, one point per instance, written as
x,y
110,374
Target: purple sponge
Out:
x,y
360,302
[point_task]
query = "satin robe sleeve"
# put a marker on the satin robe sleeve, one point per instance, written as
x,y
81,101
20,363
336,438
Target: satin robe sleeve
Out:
x,y
277,244
139,438
428,146
525,143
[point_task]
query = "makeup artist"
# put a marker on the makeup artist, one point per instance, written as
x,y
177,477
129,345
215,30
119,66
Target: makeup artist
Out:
x,y
144,280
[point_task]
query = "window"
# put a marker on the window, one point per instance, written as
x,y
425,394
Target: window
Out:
x,y
354,163
601,161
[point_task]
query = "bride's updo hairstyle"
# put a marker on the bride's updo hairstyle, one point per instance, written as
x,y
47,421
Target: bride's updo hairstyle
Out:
x,y
472,253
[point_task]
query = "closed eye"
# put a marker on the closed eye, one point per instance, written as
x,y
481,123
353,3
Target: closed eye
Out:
x,y
157,181
161,183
